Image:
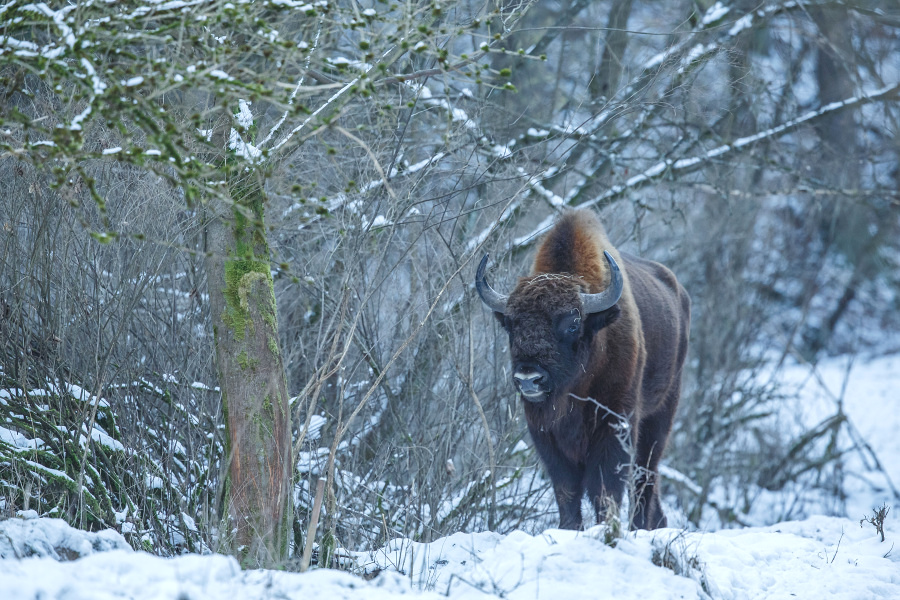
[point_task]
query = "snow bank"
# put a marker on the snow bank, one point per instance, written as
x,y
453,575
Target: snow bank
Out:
x,y
555,564
137,575
53,539
821,557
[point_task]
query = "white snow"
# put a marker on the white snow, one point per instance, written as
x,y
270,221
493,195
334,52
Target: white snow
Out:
x,y
20,441
341,199
867,391
537,133
75,125
52,539
378,221
102,438
693,55
534,183
657,170
821,557
715,13
131,575
460,116
244,117
502,151
79,393
39,468
741,24
300,6
99,84
220,74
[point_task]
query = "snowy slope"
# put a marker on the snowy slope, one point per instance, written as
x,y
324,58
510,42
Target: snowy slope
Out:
x,y
821,557
863,396
868,394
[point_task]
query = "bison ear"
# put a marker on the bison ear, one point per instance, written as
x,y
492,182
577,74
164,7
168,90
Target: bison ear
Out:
x,y
501,318
597,321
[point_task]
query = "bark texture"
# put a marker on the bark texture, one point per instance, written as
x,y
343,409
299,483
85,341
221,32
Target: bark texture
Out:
x,y
251,376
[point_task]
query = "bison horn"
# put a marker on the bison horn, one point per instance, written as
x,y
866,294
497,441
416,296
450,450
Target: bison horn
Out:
x,y
594,303
496,302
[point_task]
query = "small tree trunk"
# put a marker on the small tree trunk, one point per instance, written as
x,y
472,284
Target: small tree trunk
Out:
x,y
605,82
251,377
839,160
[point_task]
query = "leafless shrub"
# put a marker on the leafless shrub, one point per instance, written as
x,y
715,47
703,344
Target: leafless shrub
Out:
x,y
876,519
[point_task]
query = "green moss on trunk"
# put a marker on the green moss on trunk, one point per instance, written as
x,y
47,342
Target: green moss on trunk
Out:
x,y
240,274
251,368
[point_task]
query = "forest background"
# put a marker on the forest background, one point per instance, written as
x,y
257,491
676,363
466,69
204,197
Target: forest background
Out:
x,y
238,243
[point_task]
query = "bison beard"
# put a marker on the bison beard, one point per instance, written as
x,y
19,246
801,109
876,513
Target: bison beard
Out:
x,y
589,344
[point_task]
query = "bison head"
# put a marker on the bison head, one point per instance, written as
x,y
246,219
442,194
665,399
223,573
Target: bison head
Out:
x,y
551,324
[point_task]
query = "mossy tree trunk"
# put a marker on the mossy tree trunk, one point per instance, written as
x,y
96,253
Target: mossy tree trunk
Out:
x,y
251,377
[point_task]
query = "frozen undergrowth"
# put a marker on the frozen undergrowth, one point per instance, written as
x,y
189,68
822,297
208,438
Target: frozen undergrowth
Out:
x,y
863,395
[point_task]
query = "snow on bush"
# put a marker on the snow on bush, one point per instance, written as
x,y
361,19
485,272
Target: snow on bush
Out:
x,y
30,536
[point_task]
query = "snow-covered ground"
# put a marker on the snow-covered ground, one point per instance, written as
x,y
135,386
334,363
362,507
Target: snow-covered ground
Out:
x,y
868,393
859,398
821,557
818,557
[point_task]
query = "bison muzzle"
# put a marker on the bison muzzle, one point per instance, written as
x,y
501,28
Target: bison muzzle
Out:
x,y
598,340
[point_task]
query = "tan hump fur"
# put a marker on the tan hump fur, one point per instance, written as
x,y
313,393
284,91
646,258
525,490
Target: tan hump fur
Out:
x,y
575,245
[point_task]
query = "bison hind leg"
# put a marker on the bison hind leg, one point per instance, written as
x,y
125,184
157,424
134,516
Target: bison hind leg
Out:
x,y
647,512
606,508
654,432
606,474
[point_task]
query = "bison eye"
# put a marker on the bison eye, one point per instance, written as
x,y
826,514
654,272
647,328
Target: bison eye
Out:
x,y
573,328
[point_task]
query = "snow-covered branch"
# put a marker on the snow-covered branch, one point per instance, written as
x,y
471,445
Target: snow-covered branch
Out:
x,y
673,168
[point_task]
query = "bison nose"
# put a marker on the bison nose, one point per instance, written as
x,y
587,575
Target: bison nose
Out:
x,y
531,381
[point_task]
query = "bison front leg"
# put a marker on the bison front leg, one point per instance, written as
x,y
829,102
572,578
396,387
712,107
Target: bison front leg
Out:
x,y
566,477
568,499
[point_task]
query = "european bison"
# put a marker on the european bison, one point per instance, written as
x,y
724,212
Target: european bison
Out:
x,y
590,343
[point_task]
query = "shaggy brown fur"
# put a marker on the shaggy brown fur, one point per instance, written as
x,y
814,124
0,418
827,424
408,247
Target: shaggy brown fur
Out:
x,y
625,361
